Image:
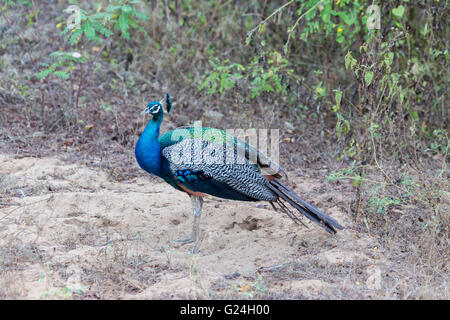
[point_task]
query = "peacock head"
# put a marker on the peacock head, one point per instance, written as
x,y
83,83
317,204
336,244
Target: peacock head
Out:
x,y
155,108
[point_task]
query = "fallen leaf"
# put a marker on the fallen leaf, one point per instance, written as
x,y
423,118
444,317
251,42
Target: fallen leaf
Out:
x,y
245,288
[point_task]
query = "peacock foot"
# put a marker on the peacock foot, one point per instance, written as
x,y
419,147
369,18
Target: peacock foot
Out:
x,y
186,240
195,236
189,239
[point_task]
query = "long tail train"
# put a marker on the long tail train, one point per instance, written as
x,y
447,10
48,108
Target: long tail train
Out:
x,y
303,207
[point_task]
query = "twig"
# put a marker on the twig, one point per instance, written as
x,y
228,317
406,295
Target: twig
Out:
x,y
250,33
274,268
27,204
35,12
116,240
80,83
296,23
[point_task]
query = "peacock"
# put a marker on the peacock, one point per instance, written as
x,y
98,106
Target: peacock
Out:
x,y
204,161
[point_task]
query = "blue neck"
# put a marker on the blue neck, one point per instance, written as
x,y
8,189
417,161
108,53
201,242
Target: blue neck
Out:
x,y
148,148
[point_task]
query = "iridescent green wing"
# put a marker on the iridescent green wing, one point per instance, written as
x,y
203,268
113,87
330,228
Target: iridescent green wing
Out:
x,y
221,137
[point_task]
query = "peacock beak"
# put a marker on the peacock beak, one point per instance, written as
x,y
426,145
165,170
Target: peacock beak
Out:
x,y
144,111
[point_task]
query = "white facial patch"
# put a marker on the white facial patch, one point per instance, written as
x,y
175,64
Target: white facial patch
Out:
x,y
155,108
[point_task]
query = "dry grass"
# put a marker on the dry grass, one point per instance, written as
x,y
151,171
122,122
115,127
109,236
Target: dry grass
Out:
x,y
97,238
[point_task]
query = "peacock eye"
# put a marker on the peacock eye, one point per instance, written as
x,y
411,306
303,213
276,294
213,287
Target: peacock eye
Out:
x,y
155,109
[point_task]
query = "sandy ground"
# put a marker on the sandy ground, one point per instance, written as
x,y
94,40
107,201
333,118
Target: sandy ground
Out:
x,y
68,231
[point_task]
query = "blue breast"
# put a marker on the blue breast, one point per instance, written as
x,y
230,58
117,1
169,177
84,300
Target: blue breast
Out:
x,y
148,148
148,157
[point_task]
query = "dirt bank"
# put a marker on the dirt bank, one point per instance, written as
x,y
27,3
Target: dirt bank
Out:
x,y
68,231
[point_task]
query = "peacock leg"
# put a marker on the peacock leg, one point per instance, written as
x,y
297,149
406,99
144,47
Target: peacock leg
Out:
x,y
197,203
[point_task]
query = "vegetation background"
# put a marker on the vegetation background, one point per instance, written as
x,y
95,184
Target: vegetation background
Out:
x,y
368,104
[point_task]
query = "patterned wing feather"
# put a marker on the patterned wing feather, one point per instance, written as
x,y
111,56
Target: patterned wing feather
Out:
x,y
221,137
205,161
